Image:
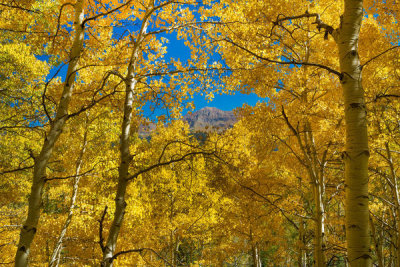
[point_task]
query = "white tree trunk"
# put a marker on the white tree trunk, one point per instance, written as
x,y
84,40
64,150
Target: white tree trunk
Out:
x,y
357,152
28,231
125,155
55,258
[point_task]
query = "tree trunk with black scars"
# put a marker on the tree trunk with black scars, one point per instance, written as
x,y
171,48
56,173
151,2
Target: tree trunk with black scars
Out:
x,y
125,155
356,152
29,228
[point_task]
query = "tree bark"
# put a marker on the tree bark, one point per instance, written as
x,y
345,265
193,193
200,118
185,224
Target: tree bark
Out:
x,y
356,152
29,229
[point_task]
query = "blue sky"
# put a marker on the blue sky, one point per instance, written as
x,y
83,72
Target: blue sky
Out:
x,y
177,49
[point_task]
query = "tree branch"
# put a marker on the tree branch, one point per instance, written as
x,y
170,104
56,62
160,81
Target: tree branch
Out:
x,y
320,25
105,13
140,250
101,239
160,164
380,54
291,62
21,8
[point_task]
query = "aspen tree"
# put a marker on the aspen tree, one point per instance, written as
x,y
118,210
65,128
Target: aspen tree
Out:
x,y
29,228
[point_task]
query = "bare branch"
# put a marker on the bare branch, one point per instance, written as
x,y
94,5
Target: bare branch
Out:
x,y
140,250
380,54
16,170
320,25
160,164
291,62
20,7
71,176
105,13
101,239
58,21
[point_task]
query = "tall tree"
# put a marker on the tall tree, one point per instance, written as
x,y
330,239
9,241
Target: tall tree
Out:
x,y
39,173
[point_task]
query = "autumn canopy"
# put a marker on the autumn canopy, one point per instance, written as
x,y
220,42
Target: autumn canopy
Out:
x,y
98,166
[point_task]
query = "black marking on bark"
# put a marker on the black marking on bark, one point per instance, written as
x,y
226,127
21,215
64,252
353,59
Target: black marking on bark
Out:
x,y
363,196
366,256
353,53
357,105
344,155
353,226
26,228
341,21
23,249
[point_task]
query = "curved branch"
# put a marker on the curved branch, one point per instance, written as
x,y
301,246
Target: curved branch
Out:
x,y
160,164
58,21
140,250
105,13
380,54
291,62
101,238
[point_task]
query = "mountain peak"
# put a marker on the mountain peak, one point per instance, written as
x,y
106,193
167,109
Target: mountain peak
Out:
x,y
210,118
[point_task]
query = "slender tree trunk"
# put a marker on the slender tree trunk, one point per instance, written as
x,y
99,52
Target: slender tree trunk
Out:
x,y
55,258
378,245
256,256
357,152
396,199
319,243
125,154
126,157
316,173
29,229
302,258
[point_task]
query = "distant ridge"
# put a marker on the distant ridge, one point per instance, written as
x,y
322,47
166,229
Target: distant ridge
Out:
x,y
207,119
210,119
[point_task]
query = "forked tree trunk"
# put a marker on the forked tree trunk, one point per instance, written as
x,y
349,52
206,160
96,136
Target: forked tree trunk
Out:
x,y
356,152
55,257
29,229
